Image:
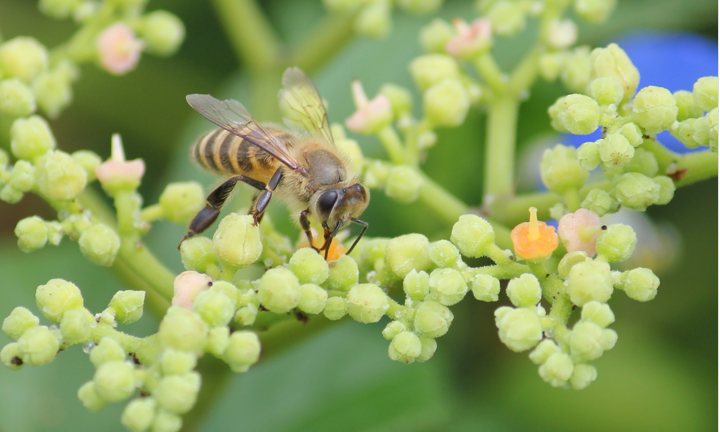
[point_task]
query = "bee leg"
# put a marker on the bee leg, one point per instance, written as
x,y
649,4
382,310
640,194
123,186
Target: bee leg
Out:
x,y
264,198
305,224
365,226
328,239
214,203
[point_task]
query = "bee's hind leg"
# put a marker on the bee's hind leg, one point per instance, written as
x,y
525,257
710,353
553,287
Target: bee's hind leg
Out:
x,y
214,203
263,200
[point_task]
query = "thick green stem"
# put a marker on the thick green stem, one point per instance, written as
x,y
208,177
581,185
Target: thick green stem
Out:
x,y
393,145
445,204
143,263
699,166
491,72
500,146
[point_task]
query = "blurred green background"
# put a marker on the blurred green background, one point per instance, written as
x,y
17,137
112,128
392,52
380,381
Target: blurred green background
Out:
x,y
661,376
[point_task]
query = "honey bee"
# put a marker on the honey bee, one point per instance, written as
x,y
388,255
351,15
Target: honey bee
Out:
x,y
303,167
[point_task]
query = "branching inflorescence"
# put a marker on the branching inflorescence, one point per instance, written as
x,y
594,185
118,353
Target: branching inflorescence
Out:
x,y
214,310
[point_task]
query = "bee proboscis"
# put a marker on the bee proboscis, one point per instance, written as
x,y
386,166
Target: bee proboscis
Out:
x,y
303,167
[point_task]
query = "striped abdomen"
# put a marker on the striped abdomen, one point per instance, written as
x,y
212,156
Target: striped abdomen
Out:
x,y
226,153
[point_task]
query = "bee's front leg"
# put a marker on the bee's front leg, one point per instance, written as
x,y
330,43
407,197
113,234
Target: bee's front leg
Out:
x,y
305,224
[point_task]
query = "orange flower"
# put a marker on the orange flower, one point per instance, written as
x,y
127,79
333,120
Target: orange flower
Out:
x,y
336,248
534,240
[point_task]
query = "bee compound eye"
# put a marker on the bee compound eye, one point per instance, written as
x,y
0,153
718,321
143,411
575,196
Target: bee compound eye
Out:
x,y
326,202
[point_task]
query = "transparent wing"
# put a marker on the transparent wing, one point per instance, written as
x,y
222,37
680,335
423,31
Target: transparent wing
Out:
x,y
302,105
232,116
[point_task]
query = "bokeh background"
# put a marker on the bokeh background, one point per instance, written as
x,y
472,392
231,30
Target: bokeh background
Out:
x,y
661,376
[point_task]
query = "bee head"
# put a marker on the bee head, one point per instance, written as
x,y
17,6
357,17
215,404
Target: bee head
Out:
x,y
337,205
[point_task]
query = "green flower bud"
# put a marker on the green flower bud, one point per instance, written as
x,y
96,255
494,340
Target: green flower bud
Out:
x,y
162,32
166,421
100,244
393,329
89,397
551,64
128,306
197,254
16,99
243,350
600,202
59,176
616,243
10,195
705,93
446,103
312,298
344,274
588,281
408,252
367,303
506,17
473,235
108,350
700,133
632,132
352,152
403,184
712,124
615,150
178,393
399,97
432,319
31,138
524,291
23,58
32,233
606,91
420,6
543,351
217,340
114,380
667,189
229,290
644,163
685,132
279,290
578,66
309,266
686,105
557,370
214,307
444,254
614,63
374,20
405,347
588,155
431,69
58,9
594,11
640,284
53,92
38,345
76,324
237,240
10,356
560,170
588,340
138,415
416,284
485,287
434,36
636,191
569,260
427,349
56,297
599,313
183,330
519,329
575,113
19,320
582,376
180,202
654,109
22,176
448,285
246,316
335,308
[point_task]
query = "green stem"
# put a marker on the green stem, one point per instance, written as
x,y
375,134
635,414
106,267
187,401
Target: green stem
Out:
x,y
143,263
393,145
664,157
126,205
250,33
151,213
326,40
145,349
699,166
491,72
572,199
525,73
500,146
445,204
506,271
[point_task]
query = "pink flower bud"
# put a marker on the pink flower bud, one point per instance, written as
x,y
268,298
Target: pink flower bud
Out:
x,y
578,231
187,286
118,48
471,40
371,116
117,173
